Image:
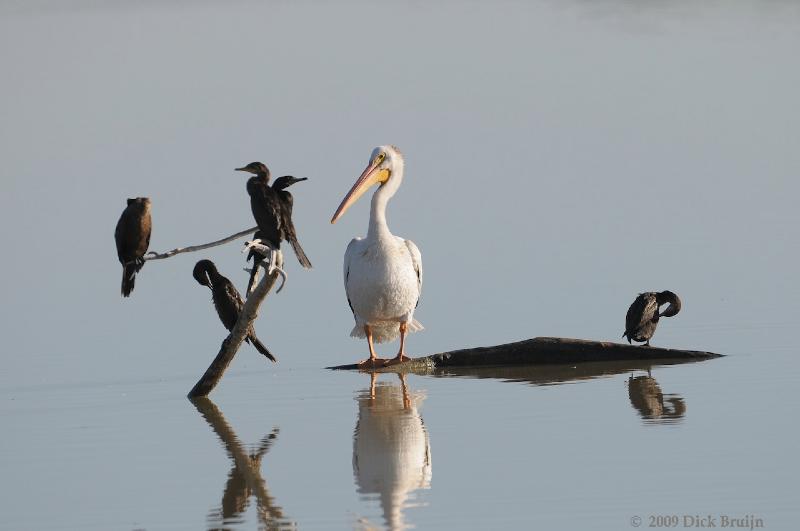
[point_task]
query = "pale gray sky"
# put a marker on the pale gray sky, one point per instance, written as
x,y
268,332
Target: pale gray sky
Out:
x,y
561,157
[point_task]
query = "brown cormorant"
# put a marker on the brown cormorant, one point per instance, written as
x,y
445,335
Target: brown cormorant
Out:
x,y
227,301
133,238
642,318
272,208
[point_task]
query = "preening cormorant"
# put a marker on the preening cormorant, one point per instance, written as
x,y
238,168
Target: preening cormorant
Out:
x,y
642,318
227,300
133,238
272,208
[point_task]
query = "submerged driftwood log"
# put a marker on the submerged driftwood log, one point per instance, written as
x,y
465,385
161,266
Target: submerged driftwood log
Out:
x,y
543,351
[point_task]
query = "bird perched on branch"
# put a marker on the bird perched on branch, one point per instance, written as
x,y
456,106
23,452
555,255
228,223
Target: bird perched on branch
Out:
x,y
382,272
642,317
285,202
272,209
132,236
227,301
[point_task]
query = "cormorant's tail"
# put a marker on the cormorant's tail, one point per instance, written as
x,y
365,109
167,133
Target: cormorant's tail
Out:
x,y
128,278
625,333
129,271
298,251
260,347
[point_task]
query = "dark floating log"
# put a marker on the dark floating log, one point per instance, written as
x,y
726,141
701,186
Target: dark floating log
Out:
x,y
543,351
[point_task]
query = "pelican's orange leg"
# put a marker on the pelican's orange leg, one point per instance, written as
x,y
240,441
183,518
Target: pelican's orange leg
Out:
x,y
406,398
373,377
401,356
374,361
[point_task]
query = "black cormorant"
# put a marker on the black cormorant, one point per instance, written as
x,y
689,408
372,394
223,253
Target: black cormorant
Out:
x,y
227,301
133,238
286,202
642,318
272,208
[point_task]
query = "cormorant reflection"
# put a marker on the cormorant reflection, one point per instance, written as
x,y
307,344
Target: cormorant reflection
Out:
x,y
244,479
653,405
644,392
391,448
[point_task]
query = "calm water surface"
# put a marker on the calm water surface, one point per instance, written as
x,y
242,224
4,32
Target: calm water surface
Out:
x,y
554,447
560,158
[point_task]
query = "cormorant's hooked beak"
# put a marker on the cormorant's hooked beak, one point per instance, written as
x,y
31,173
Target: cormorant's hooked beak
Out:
x,y
243,168
371,175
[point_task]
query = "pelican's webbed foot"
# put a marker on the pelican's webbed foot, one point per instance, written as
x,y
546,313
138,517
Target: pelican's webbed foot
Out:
x,y
401,355
374,362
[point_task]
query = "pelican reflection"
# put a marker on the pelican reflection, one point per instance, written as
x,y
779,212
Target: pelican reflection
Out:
x,y
391,447
244,479
653,405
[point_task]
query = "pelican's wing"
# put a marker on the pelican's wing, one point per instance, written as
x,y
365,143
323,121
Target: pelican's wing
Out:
x,y
416,259
348,258
641,312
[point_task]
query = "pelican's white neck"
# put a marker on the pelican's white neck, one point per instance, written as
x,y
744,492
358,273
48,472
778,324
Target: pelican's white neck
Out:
x,y
378,229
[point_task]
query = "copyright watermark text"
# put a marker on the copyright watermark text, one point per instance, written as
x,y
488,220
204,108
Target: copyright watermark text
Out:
x,y
698,521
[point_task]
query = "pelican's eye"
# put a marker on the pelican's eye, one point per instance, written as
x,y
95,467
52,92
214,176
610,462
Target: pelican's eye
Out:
x,y
379,158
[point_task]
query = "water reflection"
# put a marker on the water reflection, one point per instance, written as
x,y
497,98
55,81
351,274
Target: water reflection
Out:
x,y
244,479
555,374
653,405
391,447
644,392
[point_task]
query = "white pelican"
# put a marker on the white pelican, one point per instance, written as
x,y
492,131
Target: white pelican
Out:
x,y
382,272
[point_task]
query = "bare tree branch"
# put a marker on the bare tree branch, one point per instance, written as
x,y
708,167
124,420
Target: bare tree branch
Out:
x,y
231,344
192,248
